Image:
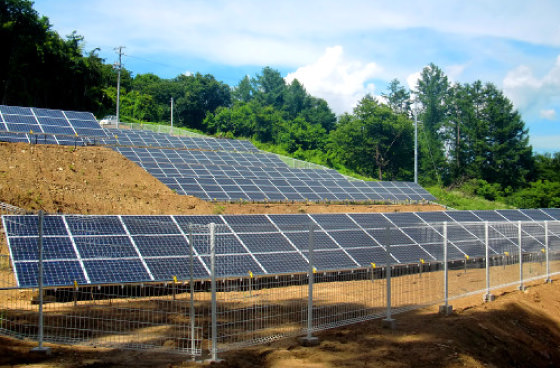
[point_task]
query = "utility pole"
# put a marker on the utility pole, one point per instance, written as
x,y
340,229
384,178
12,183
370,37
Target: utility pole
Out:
x,y
415,111
119,67
171,115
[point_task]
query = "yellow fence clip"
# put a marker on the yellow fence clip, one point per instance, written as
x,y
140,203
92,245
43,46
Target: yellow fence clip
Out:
x,y
543,250
116,136
75,284
467,256
314,270
175,279
422,260
506,253
30,131
250,274
372,265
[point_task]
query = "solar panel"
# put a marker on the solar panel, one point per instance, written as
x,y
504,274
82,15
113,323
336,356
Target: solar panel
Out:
x,y
121,249
55,122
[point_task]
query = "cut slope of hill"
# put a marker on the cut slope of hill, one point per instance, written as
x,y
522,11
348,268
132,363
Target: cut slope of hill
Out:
x,y
98,180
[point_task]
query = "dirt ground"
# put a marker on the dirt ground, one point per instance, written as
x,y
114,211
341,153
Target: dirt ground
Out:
x,y
519,329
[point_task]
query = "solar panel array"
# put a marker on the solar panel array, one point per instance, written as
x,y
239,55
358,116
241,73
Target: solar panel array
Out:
x,y
16,119
121,249
232,176
147,138
211,169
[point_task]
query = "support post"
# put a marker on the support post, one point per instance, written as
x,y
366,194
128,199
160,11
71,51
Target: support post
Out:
x,y
547,251
520,244
388,322
445,309
191,287
40,348
488,297
309,339
214,328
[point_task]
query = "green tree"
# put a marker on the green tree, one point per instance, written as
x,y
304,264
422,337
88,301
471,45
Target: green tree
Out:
x,y
432,91
509,158
398,98
199,95
374,141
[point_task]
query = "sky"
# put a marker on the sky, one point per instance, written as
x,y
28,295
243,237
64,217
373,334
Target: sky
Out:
x,y
339,50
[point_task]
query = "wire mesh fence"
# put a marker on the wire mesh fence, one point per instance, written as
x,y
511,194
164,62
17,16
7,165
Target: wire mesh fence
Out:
x,y
206,288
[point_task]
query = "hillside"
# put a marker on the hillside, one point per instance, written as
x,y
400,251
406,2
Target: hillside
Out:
x,y
98,180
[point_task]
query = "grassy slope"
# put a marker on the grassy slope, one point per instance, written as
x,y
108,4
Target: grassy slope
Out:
x,y
460,201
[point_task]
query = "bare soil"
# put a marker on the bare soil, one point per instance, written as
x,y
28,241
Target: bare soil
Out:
x,y
518,329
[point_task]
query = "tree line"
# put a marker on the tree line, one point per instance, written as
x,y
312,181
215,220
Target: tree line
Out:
x,y
469,135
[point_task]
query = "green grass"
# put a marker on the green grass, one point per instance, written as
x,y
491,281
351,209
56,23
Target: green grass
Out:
x,y
461,201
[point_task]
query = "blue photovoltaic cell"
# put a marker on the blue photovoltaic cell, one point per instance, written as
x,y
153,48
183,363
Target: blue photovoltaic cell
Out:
x,y
352,238
147,225
164,269
16,110
98,225
290,262
331,260
110,271
162,246
56,273
27,249
266,243
105,246
366,256
28,225
321,240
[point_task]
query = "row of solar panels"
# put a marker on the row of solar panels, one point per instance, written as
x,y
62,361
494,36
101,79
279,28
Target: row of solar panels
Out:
x,y
121,249
254,177
146,138
37,125
170,159
57,122
290,189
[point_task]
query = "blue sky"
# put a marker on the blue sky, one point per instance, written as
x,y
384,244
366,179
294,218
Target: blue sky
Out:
x,y
339,50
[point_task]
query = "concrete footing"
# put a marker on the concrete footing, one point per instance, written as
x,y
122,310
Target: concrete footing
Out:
x,y
309,341
488,297
42,350
445,309
389,323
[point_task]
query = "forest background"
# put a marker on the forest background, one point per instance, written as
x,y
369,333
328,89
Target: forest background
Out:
x,y
470,136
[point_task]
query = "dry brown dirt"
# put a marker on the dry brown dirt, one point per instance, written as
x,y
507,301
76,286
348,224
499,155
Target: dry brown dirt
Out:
x,y
519,329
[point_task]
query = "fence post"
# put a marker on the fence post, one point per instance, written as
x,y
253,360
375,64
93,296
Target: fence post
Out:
x,y
310,340
520,243
214,329
546,249
41,326
388,322
191,287
488,297
445,308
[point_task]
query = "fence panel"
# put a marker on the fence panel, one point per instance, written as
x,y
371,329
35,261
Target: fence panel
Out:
x,y
261,274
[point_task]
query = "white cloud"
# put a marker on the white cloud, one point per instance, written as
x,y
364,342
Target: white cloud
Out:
x,y
529,92
338,80
548,114
412,80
